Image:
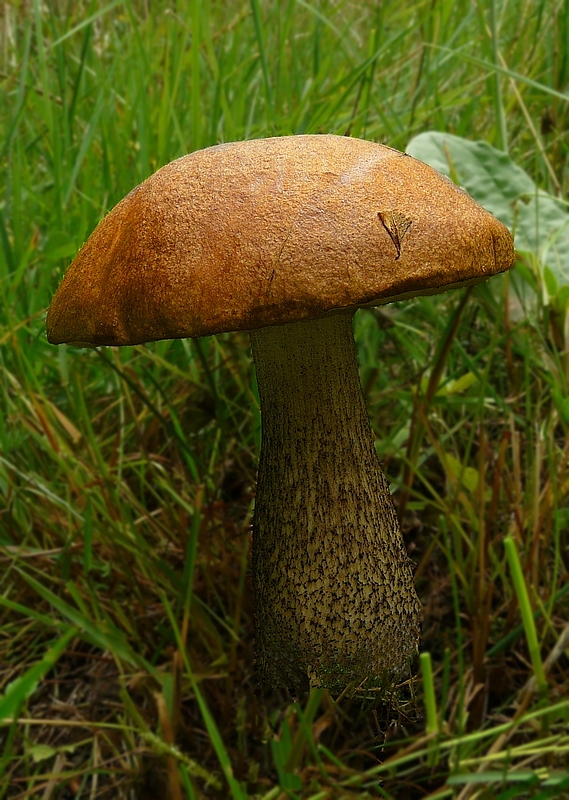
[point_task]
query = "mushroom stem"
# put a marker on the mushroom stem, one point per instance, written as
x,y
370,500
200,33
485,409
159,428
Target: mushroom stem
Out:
x,y
334,594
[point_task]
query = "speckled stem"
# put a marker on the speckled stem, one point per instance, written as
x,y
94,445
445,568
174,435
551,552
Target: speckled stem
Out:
x,y
334,594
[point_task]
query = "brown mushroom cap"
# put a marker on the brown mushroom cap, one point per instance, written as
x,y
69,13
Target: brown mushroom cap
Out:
x,y
270,231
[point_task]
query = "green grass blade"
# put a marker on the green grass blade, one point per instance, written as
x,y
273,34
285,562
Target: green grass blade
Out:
x,y
22,687
526,612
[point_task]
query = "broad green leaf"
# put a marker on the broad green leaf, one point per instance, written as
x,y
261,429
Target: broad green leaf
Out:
x,y
468,476
41,752
539,221
459,385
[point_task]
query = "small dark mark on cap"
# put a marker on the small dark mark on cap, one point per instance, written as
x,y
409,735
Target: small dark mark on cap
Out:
x,y
396,224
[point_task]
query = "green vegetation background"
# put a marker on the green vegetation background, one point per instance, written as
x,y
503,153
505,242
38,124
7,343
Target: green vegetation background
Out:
x,y
126,476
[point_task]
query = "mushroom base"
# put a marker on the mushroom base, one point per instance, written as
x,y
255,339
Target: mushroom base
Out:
x,y
334,594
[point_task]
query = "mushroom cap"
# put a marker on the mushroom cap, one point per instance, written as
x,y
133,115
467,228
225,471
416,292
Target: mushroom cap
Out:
x,y
270,231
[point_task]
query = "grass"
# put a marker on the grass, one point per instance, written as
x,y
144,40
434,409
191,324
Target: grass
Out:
x,y
126,476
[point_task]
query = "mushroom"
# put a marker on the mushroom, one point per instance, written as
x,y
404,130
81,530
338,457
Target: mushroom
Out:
x,y
285,238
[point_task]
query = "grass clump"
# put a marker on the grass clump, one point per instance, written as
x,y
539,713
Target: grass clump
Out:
x,y
126,476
